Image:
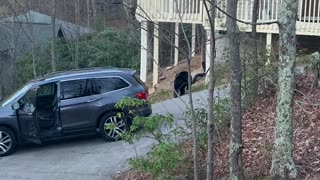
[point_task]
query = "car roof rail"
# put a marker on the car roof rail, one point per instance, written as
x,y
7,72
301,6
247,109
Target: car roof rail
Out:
x,y
77,70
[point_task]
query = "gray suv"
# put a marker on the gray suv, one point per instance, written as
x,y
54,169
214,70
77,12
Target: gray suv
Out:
x,y
68,104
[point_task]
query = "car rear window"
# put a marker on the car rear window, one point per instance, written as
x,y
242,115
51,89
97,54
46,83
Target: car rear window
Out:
x,y
137,78
109,84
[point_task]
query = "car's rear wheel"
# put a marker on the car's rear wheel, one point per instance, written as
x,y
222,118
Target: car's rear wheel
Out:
x,y
8,141
112,125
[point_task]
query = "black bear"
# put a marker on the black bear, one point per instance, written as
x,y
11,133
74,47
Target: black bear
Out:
x,y
180,84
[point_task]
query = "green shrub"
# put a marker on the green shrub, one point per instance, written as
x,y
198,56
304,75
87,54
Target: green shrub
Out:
x,y
165,156
160,162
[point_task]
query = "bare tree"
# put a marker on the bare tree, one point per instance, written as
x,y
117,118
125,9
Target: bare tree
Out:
x,y
130,7
235,167
17,25
255,14
210,160
29,20
53,43
33,53
77,16
283,166
88,13
94,11
13,44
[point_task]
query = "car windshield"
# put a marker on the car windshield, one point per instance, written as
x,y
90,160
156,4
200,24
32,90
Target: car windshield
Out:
x,y
7,100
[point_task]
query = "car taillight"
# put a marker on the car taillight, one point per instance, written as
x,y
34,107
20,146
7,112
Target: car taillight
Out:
x,y
142,95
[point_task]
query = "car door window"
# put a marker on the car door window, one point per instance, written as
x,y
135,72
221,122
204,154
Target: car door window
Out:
x,y
104,85
46,90
28,101
39,97
47,96
74,89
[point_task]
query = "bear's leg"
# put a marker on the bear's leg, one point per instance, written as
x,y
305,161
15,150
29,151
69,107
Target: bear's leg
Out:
x,y
183,90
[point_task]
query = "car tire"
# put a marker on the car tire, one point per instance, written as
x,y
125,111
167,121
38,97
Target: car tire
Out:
x,y
8,142
119,124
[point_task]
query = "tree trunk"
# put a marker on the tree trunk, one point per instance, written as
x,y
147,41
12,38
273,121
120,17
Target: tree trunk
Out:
x,y
53,43
210,126
31,38
13,52
88,13
194,125
203,49
34,63
283,166
94,11
255,80
77,13
172,47
199,38
193,115
235,168
130,7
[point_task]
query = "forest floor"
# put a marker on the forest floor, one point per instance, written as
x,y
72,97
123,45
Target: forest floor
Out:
x,y
258,137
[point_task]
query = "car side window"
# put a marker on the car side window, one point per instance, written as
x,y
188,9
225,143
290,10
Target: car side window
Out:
x,y
46,90
104,85
74,89
28,101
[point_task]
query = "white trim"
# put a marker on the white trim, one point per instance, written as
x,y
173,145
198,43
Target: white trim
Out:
x,y
176,43
193,45
156,55
144,51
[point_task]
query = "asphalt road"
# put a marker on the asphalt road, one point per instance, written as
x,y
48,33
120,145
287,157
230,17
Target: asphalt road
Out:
x,y
87,158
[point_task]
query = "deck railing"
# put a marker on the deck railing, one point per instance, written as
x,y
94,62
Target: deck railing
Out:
x,y
192,11
186,11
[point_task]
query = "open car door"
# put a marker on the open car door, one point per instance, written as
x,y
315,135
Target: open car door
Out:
x,y
47,110
26,114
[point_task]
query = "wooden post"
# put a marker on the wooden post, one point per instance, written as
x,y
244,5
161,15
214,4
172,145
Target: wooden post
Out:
x,y
208,53
193,46
269,46
156,55
144,51
176,44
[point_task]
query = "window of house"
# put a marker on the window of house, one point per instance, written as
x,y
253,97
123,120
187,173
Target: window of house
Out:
x,y
74,89
104,85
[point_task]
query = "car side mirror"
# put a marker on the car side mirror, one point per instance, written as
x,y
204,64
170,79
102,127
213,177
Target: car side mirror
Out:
x,y
15,106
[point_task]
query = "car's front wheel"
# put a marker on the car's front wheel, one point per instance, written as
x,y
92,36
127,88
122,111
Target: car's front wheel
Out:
x,y
7,141
112,125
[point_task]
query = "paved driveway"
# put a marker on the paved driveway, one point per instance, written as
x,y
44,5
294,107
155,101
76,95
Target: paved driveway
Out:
x,y
86,158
